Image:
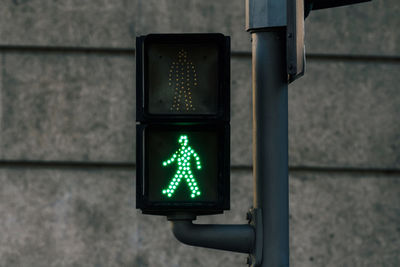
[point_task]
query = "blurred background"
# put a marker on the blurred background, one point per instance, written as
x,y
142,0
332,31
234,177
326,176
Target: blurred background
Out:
x,y
67,134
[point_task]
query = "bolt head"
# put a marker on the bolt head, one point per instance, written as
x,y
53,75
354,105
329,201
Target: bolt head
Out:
x,y
249,216
249,260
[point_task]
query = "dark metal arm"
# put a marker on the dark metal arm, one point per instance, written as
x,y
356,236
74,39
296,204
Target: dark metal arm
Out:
x,y
237,238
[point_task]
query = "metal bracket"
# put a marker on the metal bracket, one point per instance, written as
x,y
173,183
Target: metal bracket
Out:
x,y
230,237
254,216
261,14
181,217
295,53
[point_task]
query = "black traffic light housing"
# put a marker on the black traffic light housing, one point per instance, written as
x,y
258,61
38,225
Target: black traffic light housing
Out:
x,y
183,128
322,4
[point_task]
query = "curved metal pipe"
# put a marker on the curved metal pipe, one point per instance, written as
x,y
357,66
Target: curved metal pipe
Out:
x,y
237,238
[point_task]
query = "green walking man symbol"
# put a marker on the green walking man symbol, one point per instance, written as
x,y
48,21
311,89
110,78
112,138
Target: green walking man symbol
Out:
x,y
182,158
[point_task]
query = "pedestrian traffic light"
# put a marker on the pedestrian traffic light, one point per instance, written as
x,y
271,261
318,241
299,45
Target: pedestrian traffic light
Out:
x,y
183,131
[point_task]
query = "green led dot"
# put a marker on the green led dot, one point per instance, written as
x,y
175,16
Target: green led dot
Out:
x,y
196,188
168,190
197,158
164,191
192,195
190,183
178,171
164,163
179,163
198,193
199,167
174,187
189,171
180,168
174,179
169,195
195,184
186,176
191,188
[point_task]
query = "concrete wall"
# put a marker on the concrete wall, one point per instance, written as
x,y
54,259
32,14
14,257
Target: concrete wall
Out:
x,y
67,135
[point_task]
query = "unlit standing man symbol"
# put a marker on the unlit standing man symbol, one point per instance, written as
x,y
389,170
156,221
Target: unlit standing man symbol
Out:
x,y
182,78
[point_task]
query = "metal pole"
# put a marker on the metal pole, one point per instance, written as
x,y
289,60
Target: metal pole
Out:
x,y
270,143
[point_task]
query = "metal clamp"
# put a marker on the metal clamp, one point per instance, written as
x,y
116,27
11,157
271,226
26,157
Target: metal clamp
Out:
x,y
254,216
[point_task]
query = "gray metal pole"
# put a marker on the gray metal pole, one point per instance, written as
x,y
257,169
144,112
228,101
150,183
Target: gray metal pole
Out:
x,y
270,143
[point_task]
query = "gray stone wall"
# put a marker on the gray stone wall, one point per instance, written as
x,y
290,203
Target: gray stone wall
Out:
x,y
67,135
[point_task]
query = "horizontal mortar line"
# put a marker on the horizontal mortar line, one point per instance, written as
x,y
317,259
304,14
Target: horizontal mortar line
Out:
x,y
77,49
65,164
335,57
348,57
329,169
241,53
131,51
360,170
68,49
132,166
